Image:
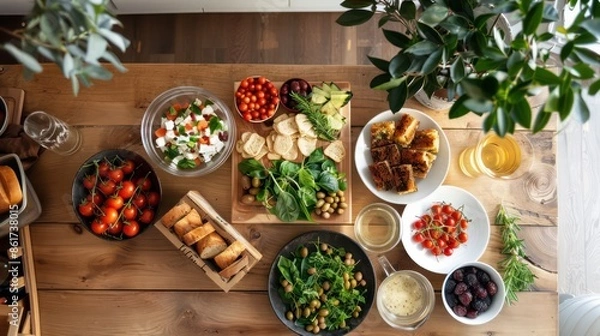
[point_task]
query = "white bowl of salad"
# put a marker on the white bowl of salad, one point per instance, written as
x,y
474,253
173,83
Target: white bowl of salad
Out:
x,y
187,131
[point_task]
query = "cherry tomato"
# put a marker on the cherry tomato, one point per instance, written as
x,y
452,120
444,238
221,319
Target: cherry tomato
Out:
x,y
128,167
418,224
139,201
129,212
435,234
447,209
110,215
98,227
115,202
147,216
107,187
86,208
115,228
144,183
89,181
131,229
153,198
261,80
127,189
441,243
426,218
103,169
436,209
427,244
418,237
463,237
96,199
464,224
450,222
453,243
436,250
457,215
116,175
448,251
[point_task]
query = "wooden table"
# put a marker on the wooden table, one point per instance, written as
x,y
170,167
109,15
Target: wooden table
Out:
x,y
146,287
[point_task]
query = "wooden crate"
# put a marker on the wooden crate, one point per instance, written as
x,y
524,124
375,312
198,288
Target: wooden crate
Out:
x,y
223,228
23,316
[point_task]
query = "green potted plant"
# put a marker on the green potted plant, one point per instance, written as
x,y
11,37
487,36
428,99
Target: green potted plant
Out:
x,y
76,35
456,46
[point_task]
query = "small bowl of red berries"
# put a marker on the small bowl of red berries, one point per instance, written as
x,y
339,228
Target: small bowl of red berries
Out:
x,y
473,293
256,99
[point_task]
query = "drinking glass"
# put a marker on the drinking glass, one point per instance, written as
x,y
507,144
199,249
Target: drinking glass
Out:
x,y
52,133
378,227
507,157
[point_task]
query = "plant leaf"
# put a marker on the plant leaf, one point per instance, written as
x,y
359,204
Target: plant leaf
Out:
x,y
117,39
398,65
433,15
354,17
397,96
408,10
502,122
521,112
478,106
581,71
422,48
379,80
515,63
489,121
565,102
457,70
392,83
24,58
592,26
379,63
586,55
478,43
582,108
541,120
594,87
429,33
95,48
415,85
109,56
356,3
456,25
67,65
397,39
532,20
546,77
458,109
432,61
550,14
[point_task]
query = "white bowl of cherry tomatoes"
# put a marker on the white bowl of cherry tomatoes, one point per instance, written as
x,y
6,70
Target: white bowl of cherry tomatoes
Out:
x,y
116,194
256,99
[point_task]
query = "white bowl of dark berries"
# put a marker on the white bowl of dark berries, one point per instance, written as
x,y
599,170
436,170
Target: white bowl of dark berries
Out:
x,y
473,293
293,85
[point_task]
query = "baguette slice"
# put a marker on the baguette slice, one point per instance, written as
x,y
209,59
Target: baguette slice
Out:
x,y
10,183
211,245
198,233
191,221
231,253
4,201
234,268
175,214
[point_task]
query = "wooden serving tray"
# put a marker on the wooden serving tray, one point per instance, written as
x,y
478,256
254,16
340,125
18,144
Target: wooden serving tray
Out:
x,y
242,213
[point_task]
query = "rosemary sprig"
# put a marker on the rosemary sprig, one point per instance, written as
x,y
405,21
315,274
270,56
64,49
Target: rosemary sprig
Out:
x,y
314,115
516,274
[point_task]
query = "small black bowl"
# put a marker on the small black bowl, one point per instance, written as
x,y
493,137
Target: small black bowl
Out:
x,y
80,193
334,239
297,85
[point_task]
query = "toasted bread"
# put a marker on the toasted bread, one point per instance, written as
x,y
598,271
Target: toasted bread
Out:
x,y
427,140
175,214
382,133
11,193
234,268
230,254
335,151
198,233
405,130
421,161
211,245
381,173
186,224
404,179
389,153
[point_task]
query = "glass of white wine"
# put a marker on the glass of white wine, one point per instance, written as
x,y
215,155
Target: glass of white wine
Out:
x,y
508,157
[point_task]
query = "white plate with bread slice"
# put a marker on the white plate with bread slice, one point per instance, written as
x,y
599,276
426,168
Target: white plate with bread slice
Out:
x,y
402,157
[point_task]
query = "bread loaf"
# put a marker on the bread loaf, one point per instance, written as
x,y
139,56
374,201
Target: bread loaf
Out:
x,y
234,268
175,214
198,233
10,189
191,221
231,253
211,245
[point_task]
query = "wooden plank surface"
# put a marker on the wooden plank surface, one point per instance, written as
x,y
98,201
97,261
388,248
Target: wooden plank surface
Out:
x,y
148,276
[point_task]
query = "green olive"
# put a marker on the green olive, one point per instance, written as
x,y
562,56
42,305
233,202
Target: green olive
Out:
x,y
355,314
312,271
298,313
320,203
315,322
326,215
316,330
323,297
304,252
318,212
340,211
358,309
329,199
325,207
284,283
320,291
320,195
336,302
248,199
348,262
314,303
346,276
332,194
331,210
289,288
334,206
321,319
336,199
343,324
289,315
340,193
348,255
324,247
363,282
343,205
346,285
326,285
309,327
322,326
254,191
324,312
306,312
256,182
358,276
246,182
353,283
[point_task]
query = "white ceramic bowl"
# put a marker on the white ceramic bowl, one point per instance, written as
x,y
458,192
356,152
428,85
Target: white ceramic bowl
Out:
x,y
185,95
497,300
437,175
478,230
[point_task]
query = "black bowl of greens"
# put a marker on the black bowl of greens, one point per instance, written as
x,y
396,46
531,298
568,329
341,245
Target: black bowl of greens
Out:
x,y
336,287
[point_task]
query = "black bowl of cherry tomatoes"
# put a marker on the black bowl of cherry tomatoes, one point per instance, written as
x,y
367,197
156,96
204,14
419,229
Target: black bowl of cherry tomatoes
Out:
x,y
116,194
256,99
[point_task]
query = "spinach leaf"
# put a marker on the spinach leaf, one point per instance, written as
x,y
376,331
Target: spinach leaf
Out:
x,y
286,208
252,168
328,182
186,164
289,168
329,165
171,152
214,124
195,109
317,156
307,179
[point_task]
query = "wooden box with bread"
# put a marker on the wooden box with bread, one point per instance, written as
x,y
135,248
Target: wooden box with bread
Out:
x,y
197,230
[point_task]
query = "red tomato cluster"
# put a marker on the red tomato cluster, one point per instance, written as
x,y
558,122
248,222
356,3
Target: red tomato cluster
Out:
x,y
118,201
257,98
442,229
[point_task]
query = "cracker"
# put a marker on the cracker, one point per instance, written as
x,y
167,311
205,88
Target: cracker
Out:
x,y
283,144
305,127
335,151
292,154
273,156
307,145
254,144
286,127
245,136
280,118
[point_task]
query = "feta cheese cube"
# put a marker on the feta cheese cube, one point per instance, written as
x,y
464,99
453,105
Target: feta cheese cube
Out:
x,y
161,142
170,135
169,125
208,110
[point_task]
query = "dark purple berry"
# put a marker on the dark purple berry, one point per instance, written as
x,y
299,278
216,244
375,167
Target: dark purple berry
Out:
x,y
451,299
458,275
460,310
450,284
472,270
480,292
472,313
483,277
465,298
460,288
491,288
471,280
479,305
488,300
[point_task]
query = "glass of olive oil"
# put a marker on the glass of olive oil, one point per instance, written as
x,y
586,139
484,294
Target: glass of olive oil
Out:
x,y
507,157
377,227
